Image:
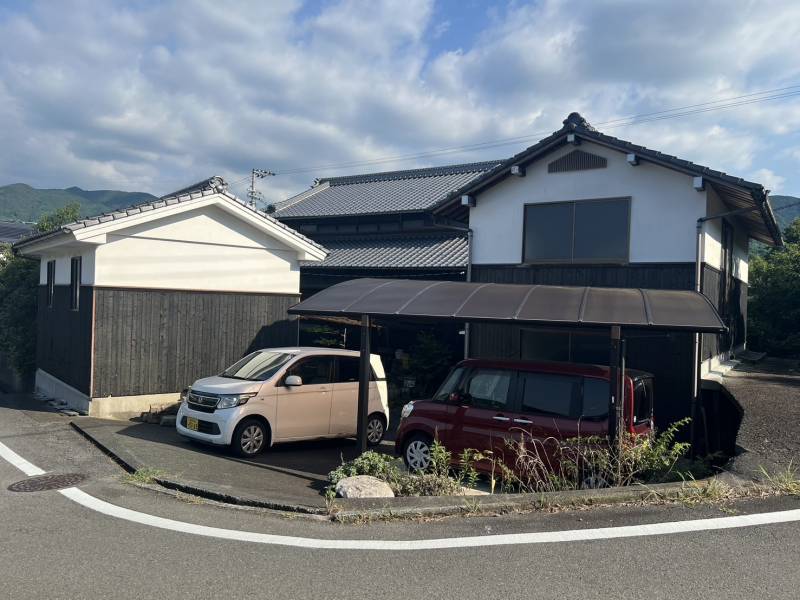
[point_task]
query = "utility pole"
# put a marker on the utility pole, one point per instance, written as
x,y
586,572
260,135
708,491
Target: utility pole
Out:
x,y
253,194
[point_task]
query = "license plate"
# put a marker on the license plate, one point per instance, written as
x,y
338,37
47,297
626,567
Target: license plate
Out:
x,y
192,423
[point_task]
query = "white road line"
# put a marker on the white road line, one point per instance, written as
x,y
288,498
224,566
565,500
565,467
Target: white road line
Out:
x,y
15,459
571,535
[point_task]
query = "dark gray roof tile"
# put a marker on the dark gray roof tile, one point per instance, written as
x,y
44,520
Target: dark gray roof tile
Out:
x,y
390,192
11,231
421,250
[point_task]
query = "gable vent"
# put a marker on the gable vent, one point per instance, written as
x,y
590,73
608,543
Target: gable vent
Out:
x,y
577,160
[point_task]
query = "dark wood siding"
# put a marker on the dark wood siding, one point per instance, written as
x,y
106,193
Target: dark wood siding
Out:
x,y
673,276
64,336
667,356
316,279
160,341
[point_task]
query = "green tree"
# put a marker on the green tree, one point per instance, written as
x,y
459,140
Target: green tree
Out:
x,y
19,280
57,218
774,297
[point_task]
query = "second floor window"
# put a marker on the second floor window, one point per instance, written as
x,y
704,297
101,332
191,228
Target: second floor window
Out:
x,y
75,283
580,231
51,281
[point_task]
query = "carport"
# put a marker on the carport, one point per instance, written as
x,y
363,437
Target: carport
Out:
x,y
616,309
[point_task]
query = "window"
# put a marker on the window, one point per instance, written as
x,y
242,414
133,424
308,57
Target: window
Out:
x,y
642,401
314,370
449,386
348,370
488,388
257,366
583,231
51,281
550,394
595,398
75,283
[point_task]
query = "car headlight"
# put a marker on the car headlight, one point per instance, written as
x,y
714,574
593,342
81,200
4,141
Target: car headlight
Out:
x,y
231,400
185,395
406,410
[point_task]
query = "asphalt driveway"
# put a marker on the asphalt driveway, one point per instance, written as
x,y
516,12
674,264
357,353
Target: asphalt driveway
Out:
x,y
292,474
769,392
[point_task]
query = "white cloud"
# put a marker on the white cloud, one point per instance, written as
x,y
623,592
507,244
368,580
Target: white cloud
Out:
x,y
156,95
771,181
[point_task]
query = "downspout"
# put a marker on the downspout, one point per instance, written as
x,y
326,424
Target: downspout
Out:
x,y
698,275
469,278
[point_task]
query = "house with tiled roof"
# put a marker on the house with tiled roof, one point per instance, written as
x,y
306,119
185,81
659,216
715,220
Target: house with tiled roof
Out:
x,y
382,224
579,207
136,304
11,231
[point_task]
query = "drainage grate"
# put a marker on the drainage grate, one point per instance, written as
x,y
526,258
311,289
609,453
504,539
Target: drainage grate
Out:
x,y
53,481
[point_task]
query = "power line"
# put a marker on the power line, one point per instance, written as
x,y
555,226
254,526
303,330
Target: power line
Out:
x,y
703,107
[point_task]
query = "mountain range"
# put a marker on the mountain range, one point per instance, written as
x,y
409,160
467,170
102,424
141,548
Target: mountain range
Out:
x,y
784,216
21,202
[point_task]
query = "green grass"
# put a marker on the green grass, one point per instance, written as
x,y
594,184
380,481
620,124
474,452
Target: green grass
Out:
x,y
785,481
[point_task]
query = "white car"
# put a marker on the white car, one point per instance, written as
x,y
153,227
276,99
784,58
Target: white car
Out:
x,y
281,395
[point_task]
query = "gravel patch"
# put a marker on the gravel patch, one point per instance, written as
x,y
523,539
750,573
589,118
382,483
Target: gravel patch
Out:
x,y
769,392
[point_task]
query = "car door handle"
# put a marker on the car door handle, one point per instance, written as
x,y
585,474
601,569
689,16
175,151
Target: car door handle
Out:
x,y
499,418
523,421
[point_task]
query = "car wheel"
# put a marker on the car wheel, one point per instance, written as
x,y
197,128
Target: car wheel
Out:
x,y
250,438
375,429
417,452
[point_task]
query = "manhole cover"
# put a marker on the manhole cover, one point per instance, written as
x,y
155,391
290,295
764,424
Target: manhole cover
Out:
x,y
41,483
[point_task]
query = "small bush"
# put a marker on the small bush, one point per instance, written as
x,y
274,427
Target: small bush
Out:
x,y
369,463
425,484
590,462
436,481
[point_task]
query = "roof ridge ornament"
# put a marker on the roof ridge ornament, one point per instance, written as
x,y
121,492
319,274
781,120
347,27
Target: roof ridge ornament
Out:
x,y
574,120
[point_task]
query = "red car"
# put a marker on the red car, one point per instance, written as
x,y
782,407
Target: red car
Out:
x,y
484,404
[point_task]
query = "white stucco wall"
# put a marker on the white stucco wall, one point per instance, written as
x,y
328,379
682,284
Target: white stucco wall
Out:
x,y
664,207
206,249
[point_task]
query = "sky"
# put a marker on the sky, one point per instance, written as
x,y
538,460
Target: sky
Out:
x,y
153,96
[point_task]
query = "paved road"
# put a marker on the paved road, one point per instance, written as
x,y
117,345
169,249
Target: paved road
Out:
x,y
53,548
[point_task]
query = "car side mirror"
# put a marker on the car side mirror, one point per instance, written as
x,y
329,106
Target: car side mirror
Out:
x,y
293,381
459,398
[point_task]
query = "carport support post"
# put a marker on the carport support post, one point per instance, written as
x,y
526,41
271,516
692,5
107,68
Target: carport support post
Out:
x,y
363,384
614,400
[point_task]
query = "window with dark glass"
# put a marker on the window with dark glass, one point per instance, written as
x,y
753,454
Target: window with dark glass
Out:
x,y
596,395
643,401
75,282
51,281
551,394
348,370
313,370
581,231
488,388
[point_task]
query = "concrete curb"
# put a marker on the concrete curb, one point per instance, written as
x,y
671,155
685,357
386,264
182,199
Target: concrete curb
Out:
x,y
357,510
366,509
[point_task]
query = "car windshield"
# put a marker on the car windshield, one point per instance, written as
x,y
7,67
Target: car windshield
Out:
x,y
258,366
